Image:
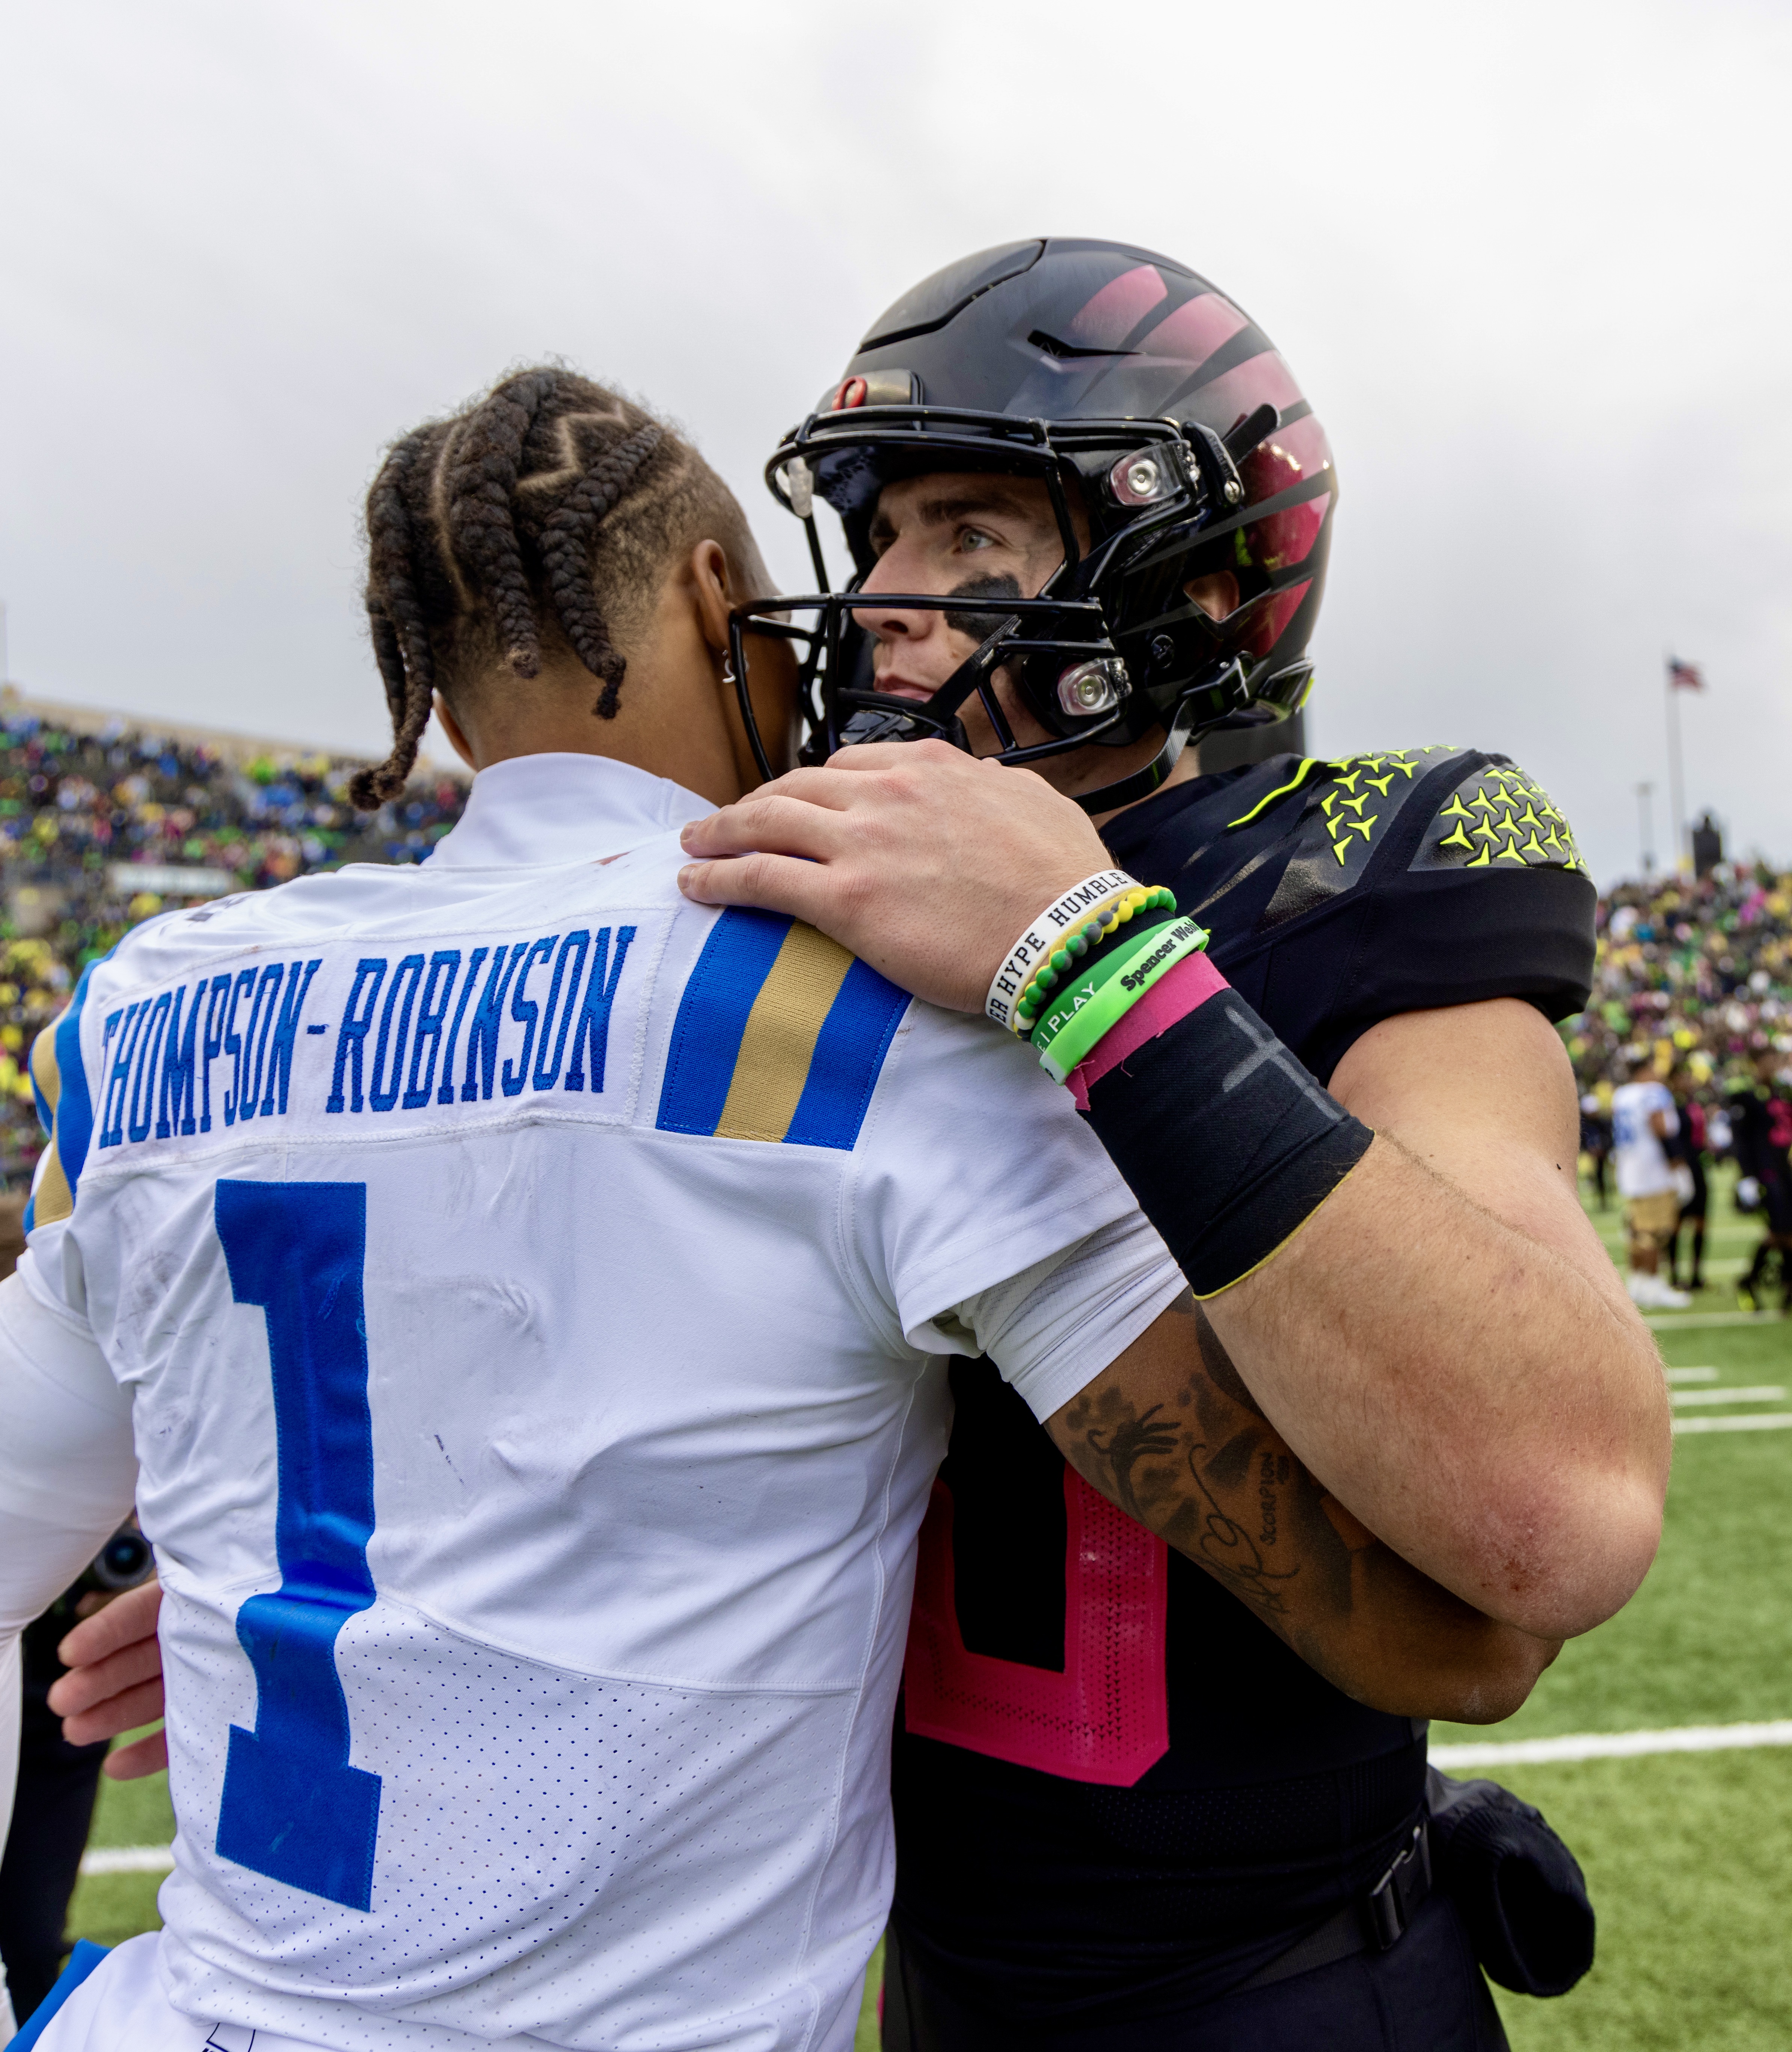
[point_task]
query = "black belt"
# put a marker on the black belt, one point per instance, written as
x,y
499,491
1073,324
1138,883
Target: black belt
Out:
x,y
1372,1923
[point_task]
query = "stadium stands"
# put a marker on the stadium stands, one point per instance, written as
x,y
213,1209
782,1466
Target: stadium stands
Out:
x,y
102,824
1701,971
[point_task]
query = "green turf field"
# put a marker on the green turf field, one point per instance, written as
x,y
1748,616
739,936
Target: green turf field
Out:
x,y
1688,1856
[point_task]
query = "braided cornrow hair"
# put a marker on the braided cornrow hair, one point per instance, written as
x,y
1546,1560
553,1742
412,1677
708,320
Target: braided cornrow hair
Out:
x,y
567,535
488,530
400,630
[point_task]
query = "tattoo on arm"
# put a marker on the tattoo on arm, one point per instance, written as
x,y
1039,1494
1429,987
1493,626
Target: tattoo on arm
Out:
x,y
1127,1442
1208,1473
1178,1442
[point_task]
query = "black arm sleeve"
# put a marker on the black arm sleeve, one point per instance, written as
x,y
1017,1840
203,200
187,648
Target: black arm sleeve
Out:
x,y
1229,1144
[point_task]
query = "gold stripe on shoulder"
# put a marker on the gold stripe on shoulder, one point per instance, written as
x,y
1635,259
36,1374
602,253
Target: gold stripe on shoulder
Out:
x,y
45,1073
51,1198
782,1028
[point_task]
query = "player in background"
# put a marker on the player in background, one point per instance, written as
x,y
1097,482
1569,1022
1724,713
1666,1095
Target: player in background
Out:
x,y
519,1302
1760,1120
1643,1123
1088,510
1691,1183
1595,1137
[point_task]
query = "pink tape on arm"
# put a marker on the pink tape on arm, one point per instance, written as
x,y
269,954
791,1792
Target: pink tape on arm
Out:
x,y
1186,989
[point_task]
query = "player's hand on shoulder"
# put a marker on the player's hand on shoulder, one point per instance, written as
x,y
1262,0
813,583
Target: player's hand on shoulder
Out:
x,y
925,861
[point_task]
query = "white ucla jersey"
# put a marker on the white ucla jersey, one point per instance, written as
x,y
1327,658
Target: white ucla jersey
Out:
x,y
531,1289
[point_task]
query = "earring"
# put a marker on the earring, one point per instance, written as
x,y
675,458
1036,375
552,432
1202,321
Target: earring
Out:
x,y
728,676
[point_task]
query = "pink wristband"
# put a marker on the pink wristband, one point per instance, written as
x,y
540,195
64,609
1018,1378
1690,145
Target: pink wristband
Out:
x,y
1187,987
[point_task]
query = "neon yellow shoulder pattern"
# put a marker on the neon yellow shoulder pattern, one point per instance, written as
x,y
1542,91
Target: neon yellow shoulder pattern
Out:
x,y
1496,814
1499,815
1347,807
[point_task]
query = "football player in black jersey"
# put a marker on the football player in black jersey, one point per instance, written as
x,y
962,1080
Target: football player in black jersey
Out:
x,y
1089,511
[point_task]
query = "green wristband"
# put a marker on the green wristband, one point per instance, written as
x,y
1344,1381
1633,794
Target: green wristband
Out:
x,y
1074,1041
1097,937
1065,1003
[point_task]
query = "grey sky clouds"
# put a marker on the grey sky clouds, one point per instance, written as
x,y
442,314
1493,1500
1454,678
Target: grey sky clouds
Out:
x,y
1529,263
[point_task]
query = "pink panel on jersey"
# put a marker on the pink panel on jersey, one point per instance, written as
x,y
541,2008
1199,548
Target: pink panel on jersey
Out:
x,y
1107,320
1196,330
1106,1717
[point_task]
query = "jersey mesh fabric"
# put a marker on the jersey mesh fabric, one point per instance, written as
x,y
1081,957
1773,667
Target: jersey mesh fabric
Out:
x,y
1029,1882
1102,1712
533,1439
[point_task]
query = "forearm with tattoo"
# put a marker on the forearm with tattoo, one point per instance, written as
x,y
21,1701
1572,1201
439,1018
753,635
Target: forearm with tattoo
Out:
x,y
1204,1469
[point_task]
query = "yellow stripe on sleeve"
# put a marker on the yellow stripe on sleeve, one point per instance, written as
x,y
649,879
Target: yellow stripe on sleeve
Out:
x,y
44,1072
781,1031
51,1198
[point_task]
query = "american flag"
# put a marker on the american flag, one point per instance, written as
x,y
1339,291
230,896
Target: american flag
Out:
x,y
1684,676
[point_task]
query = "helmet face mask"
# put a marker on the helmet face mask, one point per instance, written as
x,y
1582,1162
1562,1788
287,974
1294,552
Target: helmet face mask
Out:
x,y
1153,412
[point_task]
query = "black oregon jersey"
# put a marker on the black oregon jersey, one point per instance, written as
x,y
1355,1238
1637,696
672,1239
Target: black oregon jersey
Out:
x,y
1117,1791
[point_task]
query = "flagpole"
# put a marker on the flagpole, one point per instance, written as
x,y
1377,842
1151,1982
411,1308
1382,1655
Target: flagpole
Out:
x,y
1677,805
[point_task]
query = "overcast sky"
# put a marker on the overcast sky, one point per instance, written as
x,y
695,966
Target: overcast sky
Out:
x,y
1529,261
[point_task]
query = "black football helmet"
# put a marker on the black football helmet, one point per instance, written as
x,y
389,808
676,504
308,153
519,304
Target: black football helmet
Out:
x,y
1132,388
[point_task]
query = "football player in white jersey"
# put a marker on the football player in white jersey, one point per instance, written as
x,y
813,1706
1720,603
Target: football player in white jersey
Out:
x,y
517,1300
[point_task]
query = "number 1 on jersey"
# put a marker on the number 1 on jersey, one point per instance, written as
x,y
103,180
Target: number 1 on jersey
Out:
x,y
293,1808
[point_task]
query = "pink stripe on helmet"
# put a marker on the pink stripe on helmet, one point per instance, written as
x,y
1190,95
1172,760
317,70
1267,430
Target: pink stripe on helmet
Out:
x,y
1105,320
1236,394
1196,330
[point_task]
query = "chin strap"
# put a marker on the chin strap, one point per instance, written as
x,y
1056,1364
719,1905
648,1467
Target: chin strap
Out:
x,y
1155,772
1199,713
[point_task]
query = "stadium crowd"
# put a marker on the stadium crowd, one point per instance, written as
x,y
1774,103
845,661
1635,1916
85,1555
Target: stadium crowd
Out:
x,y
79,812
1699,973
1688,1035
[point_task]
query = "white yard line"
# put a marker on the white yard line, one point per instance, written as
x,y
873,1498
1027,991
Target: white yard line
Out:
x,y
1611,1745
1758,1393
1673,1321
127,1859
1757,1421
1691,1374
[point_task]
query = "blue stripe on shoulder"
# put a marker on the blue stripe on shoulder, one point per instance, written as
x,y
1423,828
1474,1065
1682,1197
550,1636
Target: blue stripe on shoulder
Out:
x,y
74,1107
737,959
82,1961
848,1057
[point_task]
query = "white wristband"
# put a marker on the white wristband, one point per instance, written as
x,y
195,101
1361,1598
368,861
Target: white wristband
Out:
x,y
1078,904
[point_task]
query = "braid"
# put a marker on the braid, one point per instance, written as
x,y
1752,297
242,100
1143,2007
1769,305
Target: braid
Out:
x,y
488,529
567,539
397,621
481,483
